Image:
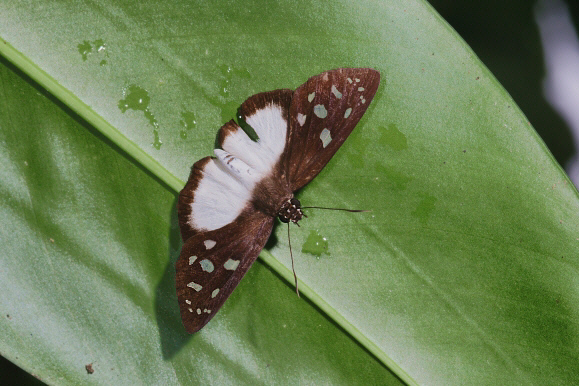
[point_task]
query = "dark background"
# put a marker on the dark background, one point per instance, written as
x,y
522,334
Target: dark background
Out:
x,y
505,37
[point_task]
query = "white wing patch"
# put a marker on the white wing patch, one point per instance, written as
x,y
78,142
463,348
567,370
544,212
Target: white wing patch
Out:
x,y
271,128
228,181
238,169
219,198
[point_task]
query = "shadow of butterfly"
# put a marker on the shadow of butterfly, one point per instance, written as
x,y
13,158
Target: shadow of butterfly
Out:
x,y
227,208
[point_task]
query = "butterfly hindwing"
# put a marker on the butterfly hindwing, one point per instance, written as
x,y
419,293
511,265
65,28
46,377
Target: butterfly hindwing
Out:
x,y
212,263
323,113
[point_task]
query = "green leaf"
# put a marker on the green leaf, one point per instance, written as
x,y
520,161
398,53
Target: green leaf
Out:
x,y
463,272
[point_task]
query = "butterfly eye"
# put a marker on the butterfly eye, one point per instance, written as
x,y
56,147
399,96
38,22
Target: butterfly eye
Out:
x,y
295,202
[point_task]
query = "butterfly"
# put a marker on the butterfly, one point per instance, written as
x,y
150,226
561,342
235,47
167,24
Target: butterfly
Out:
x,y
227,209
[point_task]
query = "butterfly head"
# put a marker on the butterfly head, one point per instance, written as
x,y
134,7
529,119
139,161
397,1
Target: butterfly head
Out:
x,y
291,211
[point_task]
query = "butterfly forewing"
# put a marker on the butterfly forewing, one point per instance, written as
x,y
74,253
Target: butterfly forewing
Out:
x,y
323,112
212,263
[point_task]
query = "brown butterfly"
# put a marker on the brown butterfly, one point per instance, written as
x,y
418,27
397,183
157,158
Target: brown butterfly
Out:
x,y
228,206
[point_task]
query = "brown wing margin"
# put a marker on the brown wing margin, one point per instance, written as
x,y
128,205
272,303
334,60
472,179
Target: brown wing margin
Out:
x,y
281,97
186,197
212,263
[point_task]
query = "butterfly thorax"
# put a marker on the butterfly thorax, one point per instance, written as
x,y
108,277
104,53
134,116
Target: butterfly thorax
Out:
x,y
290,211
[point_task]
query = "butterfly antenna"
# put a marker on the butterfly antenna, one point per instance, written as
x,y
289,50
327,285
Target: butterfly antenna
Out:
x,y
292,257
345,210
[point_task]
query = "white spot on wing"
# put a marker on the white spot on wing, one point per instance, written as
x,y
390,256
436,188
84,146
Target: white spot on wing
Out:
x,y
336,93
195,286
231,265
192,259
357,79
190,309
320,111
209,244
188,301
311,96
199,311
349,80
207,265
348,112
301,119
360,89
214,293
325,137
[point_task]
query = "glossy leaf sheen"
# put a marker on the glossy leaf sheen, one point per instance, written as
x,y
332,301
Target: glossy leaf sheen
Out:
x,y
464,270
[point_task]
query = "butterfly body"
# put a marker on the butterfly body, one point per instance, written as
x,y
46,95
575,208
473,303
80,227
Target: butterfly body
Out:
x,y
227,208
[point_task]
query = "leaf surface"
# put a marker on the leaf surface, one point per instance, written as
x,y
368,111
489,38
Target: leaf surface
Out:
x,y
464,269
